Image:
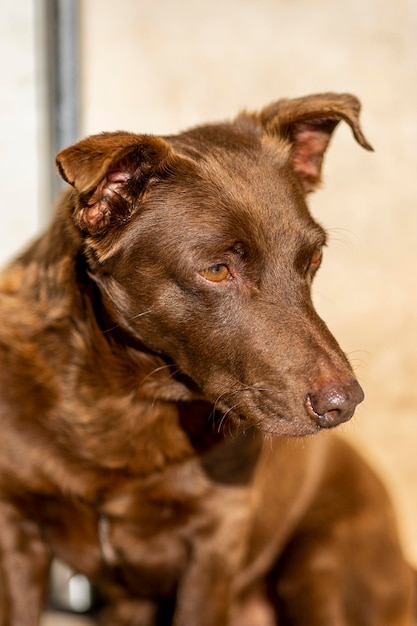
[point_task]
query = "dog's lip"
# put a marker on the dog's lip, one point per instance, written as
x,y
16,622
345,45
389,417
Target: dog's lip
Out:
x,y
276,423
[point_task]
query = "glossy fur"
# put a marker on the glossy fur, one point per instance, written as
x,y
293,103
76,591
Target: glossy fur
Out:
x,y
162,366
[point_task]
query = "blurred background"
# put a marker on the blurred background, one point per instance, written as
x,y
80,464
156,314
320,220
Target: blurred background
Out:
x,y
159,67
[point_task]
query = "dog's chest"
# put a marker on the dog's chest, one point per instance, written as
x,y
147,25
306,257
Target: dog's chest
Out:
x,y
142,531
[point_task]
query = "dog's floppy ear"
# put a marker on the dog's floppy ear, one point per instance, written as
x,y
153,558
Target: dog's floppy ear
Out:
x,y
110,172
308,124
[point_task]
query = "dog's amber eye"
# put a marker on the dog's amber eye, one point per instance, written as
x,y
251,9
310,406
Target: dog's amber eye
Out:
x,y
315,260
216,273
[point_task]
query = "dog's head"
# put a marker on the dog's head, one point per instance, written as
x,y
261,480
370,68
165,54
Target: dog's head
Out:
x,y
204,251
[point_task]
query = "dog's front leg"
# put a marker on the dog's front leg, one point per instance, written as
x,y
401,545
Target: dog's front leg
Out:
x,y
24,568
206,592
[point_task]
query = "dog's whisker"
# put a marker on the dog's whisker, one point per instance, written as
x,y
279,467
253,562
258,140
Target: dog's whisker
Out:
x,y
357,362
111,329
160,369
134,317
225,415
246,386
228,395
223,419
343,235
138,315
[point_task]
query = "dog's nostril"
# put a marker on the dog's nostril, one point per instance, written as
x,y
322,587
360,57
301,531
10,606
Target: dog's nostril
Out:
x,y
325,418
332,405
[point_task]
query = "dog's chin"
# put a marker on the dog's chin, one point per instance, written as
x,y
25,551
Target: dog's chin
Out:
x,y
281,427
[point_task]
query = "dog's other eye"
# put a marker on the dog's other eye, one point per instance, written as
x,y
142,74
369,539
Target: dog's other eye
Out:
x,y
216,273
315,260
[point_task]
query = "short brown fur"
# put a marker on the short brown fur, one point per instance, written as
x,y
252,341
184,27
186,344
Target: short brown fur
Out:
x,y
161,368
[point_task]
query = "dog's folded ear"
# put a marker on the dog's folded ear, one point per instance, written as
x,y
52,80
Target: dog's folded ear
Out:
x,y
308,124
110,172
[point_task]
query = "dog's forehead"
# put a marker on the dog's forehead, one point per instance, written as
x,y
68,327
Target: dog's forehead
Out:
x,y
238,171
233,145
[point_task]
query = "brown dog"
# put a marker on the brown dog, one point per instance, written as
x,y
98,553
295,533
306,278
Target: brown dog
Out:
x,y
149,339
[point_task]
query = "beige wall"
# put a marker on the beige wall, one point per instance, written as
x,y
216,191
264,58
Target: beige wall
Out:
x,y
19,209
161,66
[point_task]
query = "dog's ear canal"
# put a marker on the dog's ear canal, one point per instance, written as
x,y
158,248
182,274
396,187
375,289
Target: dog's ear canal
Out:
x,y
308,123
110,172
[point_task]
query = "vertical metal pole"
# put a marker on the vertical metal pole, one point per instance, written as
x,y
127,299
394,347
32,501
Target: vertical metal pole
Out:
x,y
58,22
59,123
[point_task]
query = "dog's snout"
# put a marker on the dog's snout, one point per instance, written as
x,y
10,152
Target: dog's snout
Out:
x,y
333,404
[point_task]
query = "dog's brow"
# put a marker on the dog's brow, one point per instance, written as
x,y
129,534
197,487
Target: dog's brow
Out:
x,y
323,239
319,236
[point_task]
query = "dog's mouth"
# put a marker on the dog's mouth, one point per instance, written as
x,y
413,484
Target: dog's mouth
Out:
x,y
269,420
332,405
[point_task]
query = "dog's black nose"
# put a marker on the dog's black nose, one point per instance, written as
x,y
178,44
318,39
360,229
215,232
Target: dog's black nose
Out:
x,y
333,404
